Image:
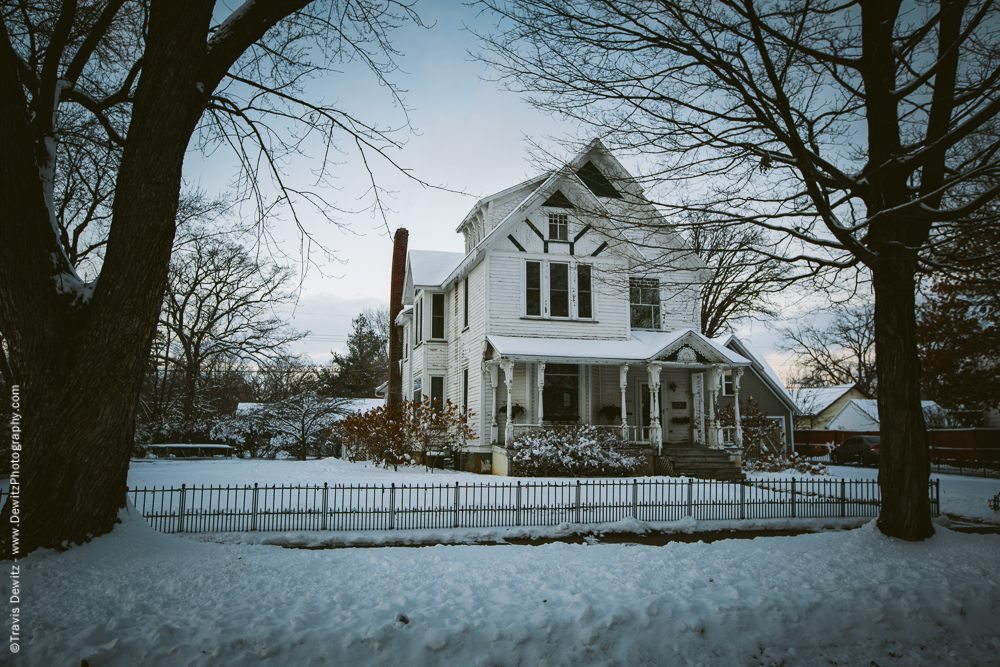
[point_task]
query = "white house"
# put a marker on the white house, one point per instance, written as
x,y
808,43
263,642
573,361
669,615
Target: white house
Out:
x,y
819,405
862,415
572,303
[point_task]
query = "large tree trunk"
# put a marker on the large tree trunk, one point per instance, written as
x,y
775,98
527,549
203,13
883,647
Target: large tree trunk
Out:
x,y
904,470
81,361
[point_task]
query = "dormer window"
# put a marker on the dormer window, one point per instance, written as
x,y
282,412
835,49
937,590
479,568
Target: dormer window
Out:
x,y
558,227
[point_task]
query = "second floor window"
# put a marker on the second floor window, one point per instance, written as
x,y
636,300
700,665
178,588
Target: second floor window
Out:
x,y
533,289
465,307
437,316
558,227
559,290
644,303
418,323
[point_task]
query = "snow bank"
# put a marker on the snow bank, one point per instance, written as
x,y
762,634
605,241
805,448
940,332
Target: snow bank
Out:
x,y
136,597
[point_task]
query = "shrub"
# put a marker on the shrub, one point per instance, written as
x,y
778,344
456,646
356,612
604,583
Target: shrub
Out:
x,y
778,463
570,451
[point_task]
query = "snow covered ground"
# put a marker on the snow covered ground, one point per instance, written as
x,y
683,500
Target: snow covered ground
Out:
x,y
137,597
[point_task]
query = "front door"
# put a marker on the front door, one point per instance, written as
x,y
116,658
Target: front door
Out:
x,y
645,418
677,406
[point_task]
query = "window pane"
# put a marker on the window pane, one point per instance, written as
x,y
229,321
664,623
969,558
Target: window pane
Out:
x,y
583,290
641,317
533,288
437,316
559,289
437,391
558,226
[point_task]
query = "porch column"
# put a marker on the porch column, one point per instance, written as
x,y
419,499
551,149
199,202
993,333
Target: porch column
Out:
x,y
698,397
494,373
623,382
713,392
541,388
738,436
655,430
508,379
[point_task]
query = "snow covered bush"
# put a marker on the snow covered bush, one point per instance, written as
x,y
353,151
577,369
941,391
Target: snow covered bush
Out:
x,y
571,451
779,463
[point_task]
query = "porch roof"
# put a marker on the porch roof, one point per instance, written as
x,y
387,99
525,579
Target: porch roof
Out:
x,y
645,346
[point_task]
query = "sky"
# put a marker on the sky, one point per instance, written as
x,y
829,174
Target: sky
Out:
x,y
467,136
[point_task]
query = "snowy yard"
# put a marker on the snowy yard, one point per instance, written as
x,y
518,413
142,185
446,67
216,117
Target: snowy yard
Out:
x,y
138,597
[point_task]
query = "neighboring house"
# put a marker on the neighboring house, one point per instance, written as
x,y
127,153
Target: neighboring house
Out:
x,y
819,405
762,384
553,316
862,415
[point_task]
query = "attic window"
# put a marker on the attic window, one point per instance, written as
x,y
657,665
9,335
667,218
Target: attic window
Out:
x,y
558,227
597,182
558,200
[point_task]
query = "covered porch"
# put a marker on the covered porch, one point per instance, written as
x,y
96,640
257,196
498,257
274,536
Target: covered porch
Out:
x,y
659,387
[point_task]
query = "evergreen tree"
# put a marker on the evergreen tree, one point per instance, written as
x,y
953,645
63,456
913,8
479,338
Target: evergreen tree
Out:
x,y
358,373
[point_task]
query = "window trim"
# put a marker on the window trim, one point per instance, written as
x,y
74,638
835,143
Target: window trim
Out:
x,y
656,314
436,299
569,292
545,290
561,223
437,379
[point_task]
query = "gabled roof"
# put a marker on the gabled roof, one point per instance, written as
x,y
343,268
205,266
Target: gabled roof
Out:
x,y
763,369
543,187
814,400
868,407
644,347
430,268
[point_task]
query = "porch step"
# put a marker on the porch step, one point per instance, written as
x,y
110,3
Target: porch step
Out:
x,y
690,460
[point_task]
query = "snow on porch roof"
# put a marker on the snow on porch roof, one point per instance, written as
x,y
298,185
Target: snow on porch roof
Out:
x,y
644,346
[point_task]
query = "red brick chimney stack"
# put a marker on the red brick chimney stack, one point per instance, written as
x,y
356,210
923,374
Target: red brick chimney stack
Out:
x,y
395,391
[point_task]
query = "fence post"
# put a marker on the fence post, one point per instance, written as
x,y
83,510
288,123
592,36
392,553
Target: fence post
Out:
x,y
577,501
326,506
843,498
793,497
937,497
253,505
635,499
392,506
690,497
180,509
456,504
743,501
517,512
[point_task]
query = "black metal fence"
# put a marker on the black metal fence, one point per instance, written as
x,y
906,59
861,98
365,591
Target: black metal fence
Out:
x,y
403,507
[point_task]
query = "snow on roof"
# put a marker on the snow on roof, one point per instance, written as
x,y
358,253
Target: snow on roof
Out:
x,y
869,406
432,267
760,362
644,345
814,400
243,408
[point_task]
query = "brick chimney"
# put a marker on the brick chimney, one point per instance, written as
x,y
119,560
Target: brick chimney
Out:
x,y
395,391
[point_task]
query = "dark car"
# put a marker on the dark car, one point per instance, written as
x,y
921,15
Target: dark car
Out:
x,y
861,449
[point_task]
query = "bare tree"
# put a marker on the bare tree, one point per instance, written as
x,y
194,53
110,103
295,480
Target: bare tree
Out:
x,y
80,346
303,421
859,131
841,352
741,284
219,305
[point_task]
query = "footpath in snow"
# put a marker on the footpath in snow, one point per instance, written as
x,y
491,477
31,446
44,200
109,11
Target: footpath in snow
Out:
x,y
137,597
